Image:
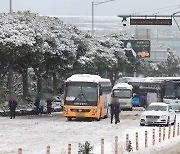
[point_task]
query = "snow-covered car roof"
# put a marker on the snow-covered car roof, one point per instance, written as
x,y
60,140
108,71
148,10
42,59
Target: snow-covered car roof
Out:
x,y
158,104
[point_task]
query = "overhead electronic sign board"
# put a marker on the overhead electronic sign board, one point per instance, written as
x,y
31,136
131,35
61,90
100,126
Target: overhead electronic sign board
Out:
x,y
150,21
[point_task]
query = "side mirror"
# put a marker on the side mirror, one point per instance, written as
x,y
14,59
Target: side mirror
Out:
x,y
170,110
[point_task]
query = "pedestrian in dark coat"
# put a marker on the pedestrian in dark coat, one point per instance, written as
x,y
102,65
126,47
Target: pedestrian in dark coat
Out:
x,y
115,110
49,106
12,108
37,100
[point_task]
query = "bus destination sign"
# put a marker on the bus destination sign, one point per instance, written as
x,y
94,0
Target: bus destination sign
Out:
x,y
150,21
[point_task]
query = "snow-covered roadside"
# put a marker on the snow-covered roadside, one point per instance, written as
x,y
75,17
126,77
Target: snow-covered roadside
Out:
x,y
152,149
34,133
158,146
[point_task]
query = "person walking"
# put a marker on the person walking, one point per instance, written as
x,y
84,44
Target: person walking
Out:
x,y
115,110
49,106
12,107
37,101
42,104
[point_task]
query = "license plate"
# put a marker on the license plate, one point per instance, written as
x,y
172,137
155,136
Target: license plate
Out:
x,y
152,120
79,114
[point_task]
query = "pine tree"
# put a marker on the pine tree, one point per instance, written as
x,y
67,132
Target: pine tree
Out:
x,y
85,148
130,148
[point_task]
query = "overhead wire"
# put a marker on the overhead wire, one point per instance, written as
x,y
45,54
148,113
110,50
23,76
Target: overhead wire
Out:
x,y
172,7
165,10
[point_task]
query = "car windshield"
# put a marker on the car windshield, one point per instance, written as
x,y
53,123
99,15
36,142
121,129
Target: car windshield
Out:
x,y
156,108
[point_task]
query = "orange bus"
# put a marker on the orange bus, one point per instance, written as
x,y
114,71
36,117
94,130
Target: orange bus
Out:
x,y
86,96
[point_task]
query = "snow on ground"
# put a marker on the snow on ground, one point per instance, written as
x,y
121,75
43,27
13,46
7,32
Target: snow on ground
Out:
x,y
34,133
159,145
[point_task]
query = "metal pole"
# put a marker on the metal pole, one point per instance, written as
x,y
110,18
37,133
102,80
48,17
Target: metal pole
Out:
x,y
96,3
92,18
10,7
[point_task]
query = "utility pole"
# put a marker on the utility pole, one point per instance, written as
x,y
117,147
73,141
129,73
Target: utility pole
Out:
x,y
92,17
93,4
10,6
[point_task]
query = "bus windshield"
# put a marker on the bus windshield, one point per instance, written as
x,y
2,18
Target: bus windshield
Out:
x,y
172,91
81,93
122,93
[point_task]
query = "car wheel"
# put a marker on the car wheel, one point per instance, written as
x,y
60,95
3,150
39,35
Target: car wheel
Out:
x,y
174,122
167,124
142,124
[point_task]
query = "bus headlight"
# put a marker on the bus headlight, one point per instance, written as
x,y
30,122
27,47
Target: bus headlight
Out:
x,y
95,110
65,109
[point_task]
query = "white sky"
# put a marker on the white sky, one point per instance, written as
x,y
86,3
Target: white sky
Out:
x,y
84,7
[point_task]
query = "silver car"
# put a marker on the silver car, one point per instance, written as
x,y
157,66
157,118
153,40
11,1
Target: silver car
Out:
x,y
158,113
57,103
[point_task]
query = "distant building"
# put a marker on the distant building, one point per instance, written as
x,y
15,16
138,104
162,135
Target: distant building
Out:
x,y
142,34
158,54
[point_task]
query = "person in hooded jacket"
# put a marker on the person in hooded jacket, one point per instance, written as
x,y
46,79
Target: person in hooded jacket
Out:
x,y
12,107
37,101
115,110
49,106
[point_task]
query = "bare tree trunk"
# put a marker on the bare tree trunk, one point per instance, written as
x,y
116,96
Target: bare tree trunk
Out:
x,y
10,81
55,83
39,79
25,83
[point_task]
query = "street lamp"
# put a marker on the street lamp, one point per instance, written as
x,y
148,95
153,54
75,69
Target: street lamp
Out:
x,y
93,4
10,6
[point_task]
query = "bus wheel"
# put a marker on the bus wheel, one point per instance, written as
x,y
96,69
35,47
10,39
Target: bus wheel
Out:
x,y
106,116
69,118
99,118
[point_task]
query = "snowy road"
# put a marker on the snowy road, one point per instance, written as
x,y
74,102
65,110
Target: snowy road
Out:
x,y
34,133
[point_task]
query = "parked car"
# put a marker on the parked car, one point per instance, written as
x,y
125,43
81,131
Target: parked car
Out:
x,y
158,113
57,103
